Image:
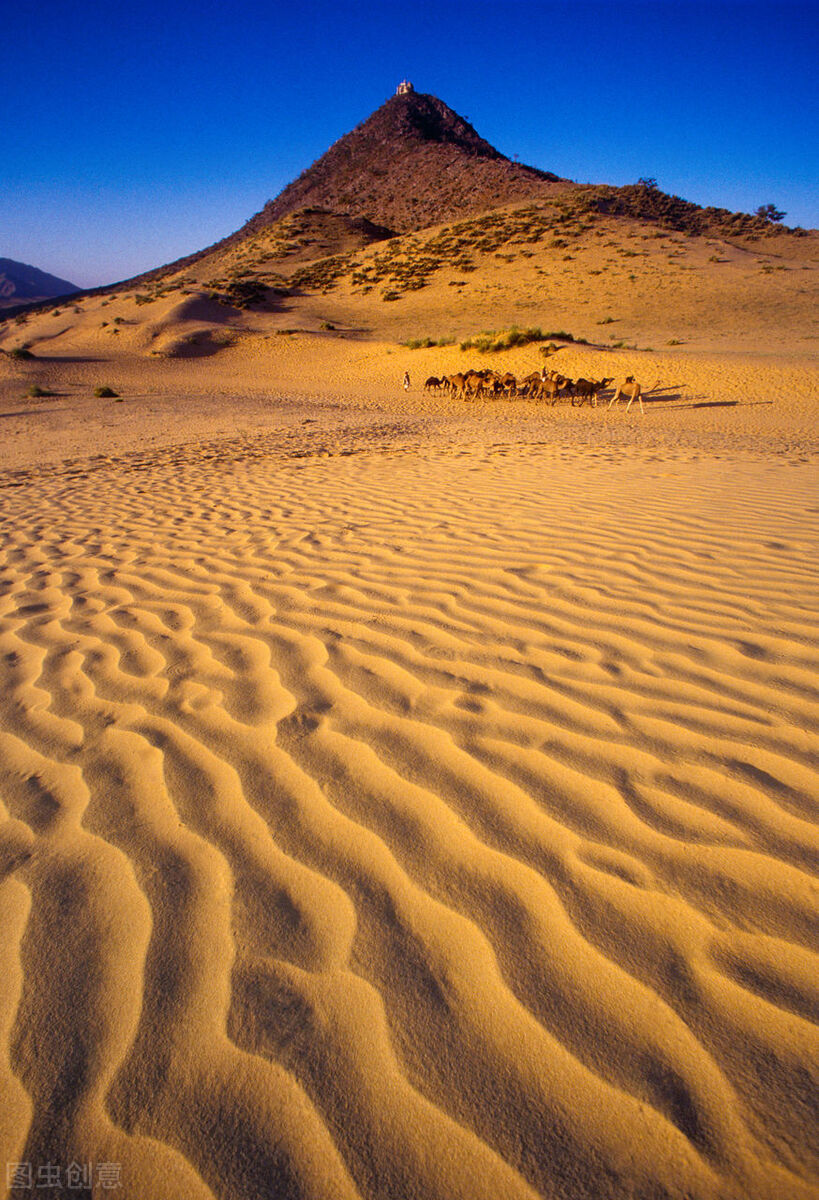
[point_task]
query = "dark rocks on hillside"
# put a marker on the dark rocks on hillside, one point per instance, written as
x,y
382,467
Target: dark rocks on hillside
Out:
x,y
414,162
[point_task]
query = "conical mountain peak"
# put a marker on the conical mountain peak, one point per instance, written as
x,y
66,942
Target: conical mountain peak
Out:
x,y
416,117
412,163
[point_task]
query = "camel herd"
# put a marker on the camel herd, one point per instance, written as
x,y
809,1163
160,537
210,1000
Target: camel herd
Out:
x,y
539,385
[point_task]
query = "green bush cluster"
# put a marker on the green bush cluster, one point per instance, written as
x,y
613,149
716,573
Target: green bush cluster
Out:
x,y
324,273
560,335
425,342
490,342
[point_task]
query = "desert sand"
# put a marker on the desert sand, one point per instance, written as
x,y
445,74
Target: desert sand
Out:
x,y
402,797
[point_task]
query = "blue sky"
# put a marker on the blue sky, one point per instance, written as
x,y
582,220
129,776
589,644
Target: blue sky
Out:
x,y
136,133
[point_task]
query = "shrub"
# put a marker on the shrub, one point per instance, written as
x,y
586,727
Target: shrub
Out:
x,y
20,353
491,343
769,212
105,393
35,392
425,342
560,335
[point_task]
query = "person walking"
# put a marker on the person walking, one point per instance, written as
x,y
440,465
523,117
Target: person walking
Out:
x,y
406,381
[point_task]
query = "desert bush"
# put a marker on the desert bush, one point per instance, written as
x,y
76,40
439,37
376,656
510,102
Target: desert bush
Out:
x,y
36,392
560,335
491,342
769,212
424,343
242,293
105,393
20,353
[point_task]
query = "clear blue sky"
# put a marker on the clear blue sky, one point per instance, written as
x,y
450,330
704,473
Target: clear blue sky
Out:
x,y
138,132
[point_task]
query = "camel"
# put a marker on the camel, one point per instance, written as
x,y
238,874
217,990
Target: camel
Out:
x,y
529,386
474,385
551,387
631,388
433,384
587,389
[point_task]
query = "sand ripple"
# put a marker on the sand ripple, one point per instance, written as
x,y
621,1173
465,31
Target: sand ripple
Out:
x,y
412,825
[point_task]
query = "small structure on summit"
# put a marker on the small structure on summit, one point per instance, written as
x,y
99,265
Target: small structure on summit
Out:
x,y
404,88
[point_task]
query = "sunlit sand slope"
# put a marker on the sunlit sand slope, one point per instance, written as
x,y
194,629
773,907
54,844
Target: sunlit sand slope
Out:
x,y
412,825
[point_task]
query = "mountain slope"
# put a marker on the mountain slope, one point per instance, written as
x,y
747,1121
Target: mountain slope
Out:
x,y
414,162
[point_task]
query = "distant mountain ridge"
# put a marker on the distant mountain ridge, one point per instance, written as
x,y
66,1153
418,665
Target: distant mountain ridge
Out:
x,y
20,282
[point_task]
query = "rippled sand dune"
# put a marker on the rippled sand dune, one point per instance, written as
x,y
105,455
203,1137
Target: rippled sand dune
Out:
x,y
436,824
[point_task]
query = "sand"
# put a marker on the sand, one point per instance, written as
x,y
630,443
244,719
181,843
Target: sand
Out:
x,y
406,798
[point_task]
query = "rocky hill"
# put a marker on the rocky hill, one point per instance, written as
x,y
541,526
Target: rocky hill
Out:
x,y
20,282
413,163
